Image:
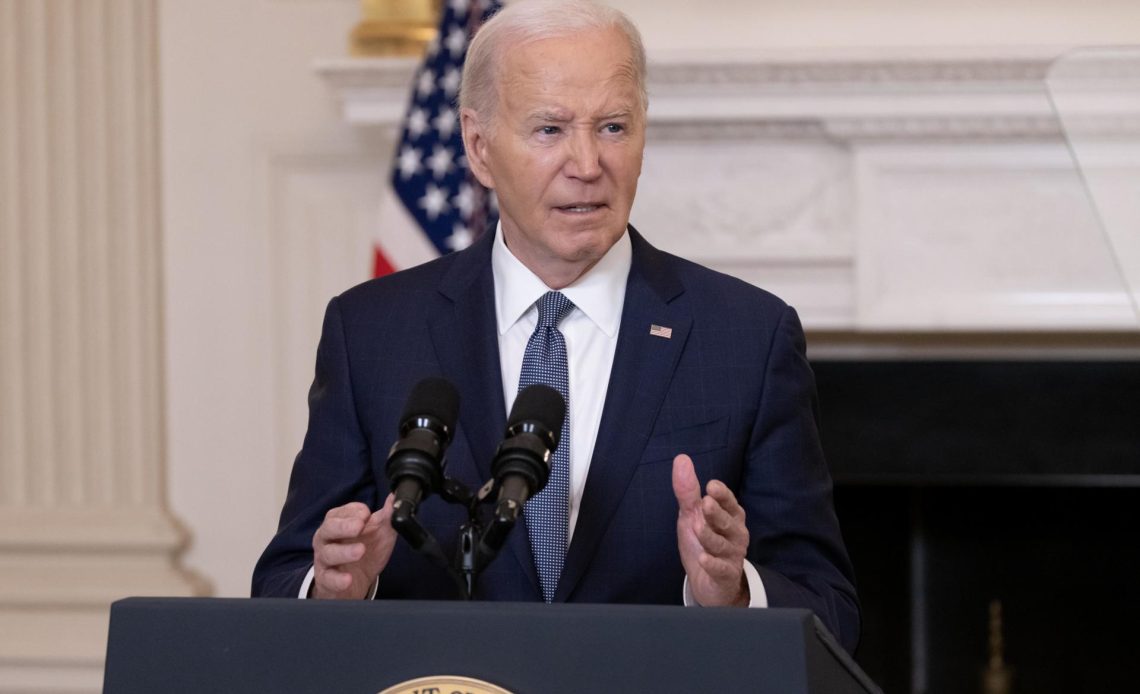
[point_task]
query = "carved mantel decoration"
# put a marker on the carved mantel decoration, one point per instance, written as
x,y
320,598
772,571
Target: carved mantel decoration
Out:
x,y
877,193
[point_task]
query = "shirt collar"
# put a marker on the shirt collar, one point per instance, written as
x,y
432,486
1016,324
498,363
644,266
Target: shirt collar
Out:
x,y
599,293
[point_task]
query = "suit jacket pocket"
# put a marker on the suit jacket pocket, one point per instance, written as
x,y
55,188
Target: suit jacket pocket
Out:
x,y
706,431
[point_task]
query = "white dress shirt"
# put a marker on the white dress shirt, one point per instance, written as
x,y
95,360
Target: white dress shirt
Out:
x,y
591,333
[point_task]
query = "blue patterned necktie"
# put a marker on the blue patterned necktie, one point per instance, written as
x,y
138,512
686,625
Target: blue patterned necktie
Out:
x,y
548,513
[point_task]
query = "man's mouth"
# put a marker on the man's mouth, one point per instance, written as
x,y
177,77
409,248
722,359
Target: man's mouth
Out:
x,y
580,207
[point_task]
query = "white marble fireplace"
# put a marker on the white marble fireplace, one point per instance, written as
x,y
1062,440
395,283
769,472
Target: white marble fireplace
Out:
x,y
903,193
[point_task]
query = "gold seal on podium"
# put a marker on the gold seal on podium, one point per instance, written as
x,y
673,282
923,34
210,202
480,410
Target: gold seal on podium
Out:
x,y
445,684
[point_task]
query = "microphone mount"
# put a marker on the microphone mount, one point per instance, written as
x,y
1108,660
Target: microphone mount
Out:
x,y
520,469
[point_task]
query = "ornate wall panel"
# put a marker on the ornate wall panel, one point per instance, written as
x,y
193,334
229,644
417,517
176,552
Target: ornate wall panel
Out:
x,y
989,236
324,209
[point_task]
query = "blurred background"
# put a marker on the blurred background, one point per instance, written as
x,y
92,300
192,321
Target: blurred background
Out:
x,y
184,185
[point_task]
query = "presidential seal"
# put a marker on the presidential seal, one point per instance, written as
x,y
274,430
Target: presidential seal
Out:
x,y
445,684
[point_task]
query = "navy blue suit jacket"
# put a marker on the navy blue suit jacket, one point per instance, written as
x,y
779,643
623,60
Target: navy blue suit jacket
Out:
x,y
731,387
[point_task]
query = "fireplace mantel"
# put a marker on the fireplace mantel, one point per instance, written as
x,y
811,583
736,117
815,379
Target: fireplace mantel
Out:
x,y
879,194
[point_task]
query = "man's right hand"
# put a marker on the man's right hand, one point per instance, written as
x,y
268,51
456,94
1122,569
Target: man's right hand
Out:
x,y
350,549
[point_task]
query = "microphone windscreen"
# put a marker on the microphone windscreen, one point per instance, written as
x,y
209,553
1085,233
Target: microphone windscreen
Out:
x,y
436,398
541,404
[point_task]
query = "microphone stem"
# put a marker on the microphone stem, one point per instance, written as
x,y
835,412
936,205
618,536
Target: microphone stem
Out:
x,y
467,564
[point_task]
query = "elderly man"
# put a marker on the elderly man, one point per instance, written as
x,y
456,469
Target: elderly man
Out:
x,y
678,378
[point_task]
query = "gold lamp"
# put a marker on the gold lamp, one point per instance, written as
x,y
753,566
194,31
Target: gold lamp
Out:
x,y
394,27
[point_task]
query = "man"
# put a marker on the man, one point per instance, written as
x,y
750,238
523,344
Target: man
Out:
x,y
675,375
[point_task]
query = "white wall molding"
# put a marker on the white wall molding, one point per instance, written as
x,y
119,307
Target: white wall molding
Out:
x,y
372,91
849,95
850,70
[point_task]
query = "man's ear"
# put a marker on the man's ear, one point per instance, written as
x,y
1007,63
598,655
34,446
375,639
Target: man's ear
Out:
x,y
475,145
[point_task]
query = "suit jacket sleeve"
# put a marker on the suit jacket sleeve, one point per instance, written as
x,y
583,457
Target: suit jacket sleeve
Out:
x,y
795,542
331,470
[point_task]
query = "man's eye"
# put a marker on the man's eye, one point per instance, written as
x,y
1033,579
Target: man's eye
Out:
x,y
549,130
614,128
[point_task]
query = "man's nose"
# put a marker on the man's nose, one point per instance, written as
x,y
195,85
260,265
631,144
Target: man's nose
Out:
x,y
584,160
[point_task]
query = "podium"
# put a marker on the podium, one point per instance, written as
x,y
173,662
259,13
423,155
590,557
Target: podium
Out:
x,y
179,646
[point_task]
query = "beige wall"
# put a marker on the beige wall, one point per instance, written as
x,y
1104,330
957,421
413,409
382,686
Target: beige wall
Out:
x,y
733,25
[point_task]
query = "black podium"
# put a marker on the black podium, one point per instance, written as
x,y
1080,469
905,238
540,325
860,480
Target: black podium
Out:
x,y
296,646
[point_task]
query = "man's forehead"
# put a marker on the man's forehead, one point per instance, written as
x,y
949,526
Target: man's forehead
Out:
x,y
523,66
535,83
538,58
552,105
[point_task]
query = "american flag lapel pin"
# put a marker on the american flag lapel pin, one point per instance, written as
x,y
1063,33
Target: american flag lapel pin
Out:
x,y
660,331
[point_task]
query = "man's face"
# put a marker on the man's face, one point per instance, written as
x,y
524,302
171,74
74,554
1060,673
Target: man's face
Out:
x,y
564,151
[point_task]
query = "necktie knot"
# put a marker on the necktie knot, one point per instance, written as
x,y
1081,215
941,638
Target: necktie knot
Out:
x,y
552,308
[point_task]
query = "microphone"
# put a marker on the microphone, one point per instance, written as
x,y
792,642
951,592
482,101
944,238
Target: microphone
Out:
x,y
415,462
521,466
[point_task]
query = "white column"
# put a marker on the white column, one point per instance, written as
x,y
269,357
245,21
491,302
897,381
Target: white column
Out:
x,y
83,516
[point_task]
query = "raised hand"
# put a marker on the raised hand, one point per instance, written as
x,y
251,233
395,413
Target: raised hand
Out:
x,y
350,549
711,537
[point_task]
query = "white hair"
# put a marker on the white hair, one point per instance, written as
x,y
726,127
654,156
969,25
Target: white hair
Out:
x,y
525,21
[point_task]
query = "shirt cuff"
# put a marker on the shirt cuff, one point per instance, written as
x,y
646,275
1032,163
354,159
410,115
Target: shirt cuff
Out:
x,y
757,596
307,585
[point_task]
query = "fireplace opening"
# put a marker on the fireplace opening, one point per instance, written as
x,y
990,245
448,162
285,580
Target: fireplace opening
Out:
x,y
961,483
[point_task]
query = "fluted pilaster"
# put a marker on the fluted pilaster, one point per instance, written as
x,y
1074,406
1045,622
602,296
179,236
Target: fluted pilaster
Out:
x,y
82,504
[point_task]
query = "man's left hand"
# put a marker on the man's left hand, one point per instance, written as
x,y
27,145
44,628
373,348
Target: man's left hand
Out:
x,y
712,538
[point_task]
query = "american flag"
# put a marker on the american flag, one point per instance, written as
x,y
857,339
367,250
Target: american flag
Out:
x,y
430,174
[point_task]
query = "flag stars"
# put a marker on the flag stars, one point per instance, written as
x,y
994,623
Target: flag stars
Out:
x,y
456,42
429,172
417,122
464,200
445,123
450,82
460,238
434,202
441,162
426,83
409,162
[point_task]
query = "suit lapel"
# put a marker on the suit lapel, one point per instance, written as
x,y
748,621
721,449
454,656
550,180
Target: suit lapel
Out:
x,y
466,343
642,370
